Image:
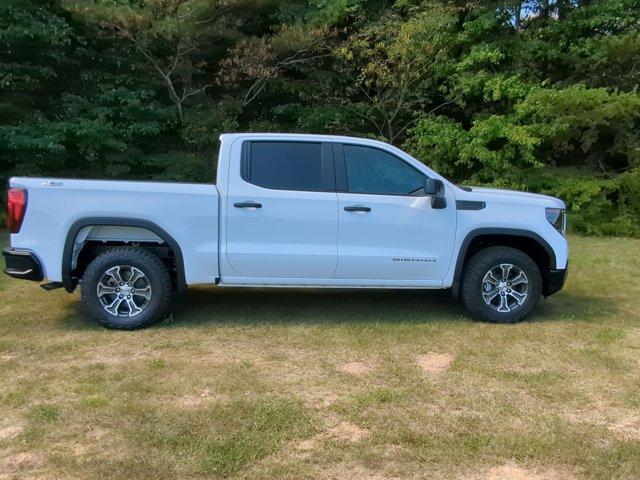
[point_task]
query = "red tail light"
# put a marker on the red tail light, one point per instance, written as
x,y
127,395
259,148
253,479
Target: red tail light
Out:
x,y
16,208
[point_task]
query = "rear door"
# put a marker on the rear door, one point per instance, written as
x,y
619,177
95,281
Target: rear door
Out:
x,y
282,213
388,231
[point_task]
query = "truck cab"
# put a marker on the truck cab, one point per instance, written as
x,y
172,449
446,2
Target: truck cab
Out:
x,y
288,210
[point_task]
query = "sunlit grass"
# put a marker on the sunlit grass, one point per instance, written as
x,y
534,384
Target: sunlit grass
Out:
x,y
247,384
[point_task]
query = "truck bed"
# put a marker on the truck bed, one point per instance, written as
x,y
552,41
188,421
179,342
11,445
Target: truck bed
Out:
x,y
188,213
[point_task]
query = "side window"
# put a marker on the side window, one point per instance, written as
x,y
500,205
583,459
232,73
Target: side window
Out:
x,y
370,170
284,165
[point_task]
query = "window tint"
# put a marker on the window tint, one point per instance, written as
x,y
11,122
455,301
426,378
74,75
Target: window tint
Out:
x,y
285,165
370,170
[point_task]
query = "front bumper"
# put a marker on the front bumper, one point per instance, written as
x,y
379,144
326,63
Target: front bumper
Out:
x,y
555,280
22,264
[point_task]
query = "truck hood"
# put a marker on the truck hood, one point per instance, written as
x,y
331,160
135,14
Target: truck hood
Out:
x,y
483,193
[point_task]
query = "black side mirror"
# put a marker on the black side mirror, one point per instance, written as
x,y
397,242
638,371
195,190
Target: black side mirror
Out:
x,y
435,189
431,186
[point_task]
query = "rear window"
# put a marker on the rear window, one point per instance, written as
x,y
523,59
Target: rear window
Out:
x,y
284,165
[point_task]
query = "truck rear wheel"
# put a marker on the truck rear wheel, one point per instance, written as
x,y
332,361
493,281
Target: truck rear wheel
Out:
x,y
501,285
126,288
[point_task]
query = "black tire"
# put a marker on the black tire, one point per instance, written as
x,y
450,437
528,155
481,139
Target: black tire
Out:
x,y
128,258
474,285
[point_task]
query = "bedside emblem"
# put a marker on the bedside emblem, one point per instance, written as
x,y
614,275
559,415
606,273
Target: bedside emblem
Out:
x,y
414,260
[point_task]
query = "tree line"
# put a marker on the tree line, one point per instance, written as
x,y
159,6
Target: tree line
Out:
x,y
535,95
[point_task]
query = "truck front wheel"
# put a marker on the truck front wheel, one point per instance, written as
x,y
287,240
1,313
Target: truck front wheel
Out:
x,y
501,285
126,288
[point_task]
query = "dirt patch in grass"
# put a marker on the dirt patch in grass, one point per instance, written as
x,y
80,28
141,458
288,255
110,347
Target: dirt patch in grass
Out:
x,y
357,368
318,398
627,427
8,432
93,443
434,363
80,449
634,335
18,463
98,434
336,429
513,472
623,423
348,432
307,444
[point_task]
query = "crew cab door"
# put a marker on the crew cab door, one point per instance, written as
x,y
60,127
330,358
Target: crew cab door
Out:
x,y
282,212
388,233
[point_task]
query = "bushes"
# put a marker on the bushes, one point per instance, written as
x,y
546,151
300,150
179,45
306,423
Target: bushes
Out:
x,y
571,143
596,206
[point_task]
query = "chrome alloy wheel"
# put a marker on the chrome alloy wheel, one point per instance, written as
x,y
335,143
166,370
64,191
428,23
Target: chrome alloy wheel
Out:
x,y
505,287
124,291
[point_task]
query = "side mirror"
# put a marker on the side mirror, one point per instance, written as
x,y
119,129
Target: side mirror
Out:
x,y
431,186
435,189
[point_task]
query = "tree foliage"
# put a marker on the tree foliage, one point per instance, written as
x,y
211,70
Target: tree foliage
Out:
x,y
537,95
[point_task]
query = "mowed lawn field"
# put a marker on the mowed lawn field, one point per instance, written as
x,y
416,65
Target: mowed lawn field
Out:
x,y
273,384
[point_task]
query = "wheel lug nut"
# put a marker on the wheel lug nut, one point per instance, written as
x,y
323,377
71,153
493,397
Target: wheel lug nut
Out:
x,y
117,289
119,296
128,296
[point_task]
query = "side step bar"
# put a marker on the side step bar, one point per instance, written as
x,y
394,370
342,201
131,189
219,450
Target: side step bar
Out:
x,y
51,286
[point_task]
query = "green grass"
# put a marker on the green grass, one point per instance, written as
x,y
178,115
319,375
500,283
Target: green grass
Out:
x,y
251,384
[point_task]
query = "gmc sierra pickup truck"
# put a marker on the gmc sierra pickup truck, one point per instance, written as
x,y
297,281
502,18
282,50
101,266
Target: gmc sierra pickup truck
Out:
x,y
287,211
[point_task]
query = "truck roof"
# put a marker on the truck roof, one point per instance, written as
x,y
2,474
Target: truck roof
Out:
x,y
301,136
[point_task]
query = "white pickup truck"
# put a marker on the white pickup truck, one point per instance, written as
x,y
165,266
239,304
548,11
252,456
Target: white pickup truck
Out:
x,y
287,211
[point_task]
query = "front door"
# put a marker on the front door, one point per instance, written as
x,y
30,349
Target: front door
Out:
x,y
388,231
282,218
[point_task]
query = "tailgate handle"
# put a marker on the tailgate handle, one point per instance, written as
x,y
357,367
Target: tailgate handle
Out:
x,y
247,205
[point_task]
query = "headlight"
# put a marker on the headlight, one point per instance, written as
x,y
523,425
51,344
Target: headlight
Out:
x,y
558,218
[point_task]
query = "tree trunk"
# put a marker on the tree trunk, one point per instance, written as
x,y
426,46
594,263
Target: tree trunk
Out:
x,y
544,9
174,96
563,8
390,133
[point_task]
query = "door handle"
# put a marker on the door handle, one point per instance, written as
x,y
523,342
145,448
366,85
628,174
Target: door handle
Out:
x,y
357,208
247,205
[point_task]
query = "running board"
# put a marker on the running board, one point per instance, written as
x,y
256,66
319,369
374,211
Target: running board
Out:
x,y
51,286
